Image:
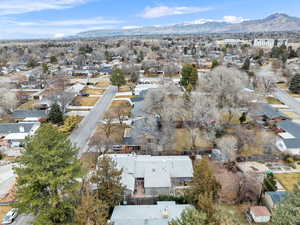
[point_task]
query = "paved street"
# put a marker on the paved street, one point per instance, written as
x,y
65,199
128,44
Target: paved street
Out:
x,y
81,135
288,100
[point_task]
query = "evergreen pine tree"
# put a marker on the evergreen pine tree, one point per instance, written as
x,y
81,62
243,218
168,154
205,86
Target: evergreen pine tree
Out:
x,y
190,216
295,84
270,183
47,173
56,115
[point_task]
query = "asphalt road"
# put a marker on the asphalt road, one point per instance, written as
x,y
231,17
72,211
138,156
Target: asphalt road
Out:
x,y
82,134
288,100
80,137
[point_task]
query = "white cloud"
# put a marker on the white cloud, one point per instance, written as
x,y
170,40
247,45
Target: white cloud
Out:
x,y
8,7
59,35
130,27
227,19
89,21
233,19
161,11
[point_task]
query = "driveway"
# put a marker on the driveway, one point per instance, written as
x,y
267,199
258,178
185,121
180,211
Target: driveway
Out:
x,y
288,100
82,134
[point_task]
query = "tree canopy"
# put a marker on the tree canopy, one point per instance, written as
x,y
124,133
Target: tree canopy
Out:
x,y
189,75
295,84
118,78
56,115
47,177
108,181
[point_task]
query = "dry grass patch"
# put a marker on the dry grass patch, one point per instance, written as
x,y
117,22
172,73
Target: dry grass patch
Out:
x,y
124,89
288,180
93,91
272,100
282,85
89,160
117,133
183,140
120,105
127,96
3,211
103,84
235,213
292,115
85,101
28,105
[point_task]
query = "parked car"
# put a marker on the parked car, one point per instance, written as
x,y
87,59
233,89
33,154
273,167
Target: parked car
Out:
x,y
117,148
84,95
10,217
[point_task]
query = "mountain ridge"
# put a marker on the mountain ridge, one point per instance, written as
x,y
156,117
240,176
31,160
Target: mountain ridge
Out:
x,y
274,22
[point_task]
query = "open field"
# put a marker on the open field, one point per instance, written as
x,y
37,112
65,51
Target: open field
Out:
x,y
183,141
93,91
85,101
288,180
103,84
272,100
120,105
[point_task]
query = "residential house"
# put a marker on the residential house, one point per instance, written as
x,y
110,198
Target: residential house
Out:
x,y
289,138
29,115
15,133
270,115
146,175
160,214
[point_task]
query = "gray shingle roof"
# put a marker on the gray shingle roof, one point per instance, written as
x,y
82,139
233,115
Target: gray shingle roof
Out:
x,y
147,214
29,113
9,128
292,142
290,127
272,113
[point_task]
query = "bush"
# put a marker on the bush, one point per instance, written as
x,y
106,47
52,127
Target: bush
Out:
x,y
290,160
177,199
70,124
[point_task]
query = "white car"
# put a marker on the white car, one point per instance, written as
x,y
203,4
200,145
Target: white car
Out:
x,y
10,217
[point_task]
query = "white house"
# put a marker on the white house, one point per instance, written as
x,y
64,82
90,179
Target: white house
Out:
x,y
269,43
289,139
15,133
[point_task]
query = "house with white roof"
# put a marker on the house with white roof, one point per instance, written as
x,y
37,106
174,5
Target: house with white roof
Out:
x,y
15,133
160,214
146,175
289,138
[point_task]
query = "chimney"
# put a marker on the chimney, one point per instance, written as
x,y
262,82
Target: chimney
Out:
x,y
22,129
165,213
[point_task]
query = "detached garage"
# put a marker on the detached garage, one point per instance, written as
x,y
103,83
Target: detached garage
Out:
x,y
260,214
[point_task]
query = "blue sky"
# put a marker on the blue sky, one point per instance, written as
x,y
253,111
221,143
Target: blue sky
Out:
x,y
56,18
